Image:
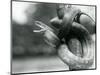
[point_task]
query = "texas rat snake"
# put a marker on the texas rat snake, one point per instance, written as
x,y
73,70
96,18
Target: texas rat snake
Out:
x,y
77,31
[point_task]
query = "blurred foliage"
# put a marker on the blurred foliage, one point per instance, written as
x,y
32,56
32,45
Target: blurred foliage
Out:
x,y
27,43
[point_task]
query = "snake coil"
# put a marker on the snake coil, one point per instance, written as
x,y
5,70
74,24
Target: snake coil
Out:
x,y
76,62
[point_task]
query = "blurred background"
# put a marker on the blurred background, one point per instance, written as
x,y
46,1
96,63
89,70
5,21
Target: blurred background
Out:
x,y
25,42
29,51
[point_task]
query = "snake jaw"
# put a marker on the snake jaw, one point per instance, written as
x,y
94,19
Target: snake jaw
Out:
x,y
43,27
41,30
39,25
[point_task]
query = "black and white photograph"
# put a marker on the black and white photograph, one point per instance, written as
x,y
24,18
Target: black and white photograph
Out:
x,y
52,37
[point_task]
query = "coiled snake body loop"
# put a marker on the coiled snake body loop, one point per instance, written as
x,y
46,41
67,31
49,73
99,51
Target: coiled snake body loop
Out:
x,y
74,61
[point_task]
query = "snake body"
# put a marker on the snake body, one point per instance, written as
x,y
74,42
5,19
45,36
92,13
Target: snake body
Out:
x,y
83,57
71,59
74,61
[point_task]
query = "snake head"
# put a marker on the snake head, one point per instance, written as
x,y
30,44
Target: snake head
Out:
x,y
49,37
43,27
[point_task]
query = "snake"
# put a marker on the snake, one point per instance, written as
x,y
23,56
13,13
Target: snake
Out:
x,y
80,60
